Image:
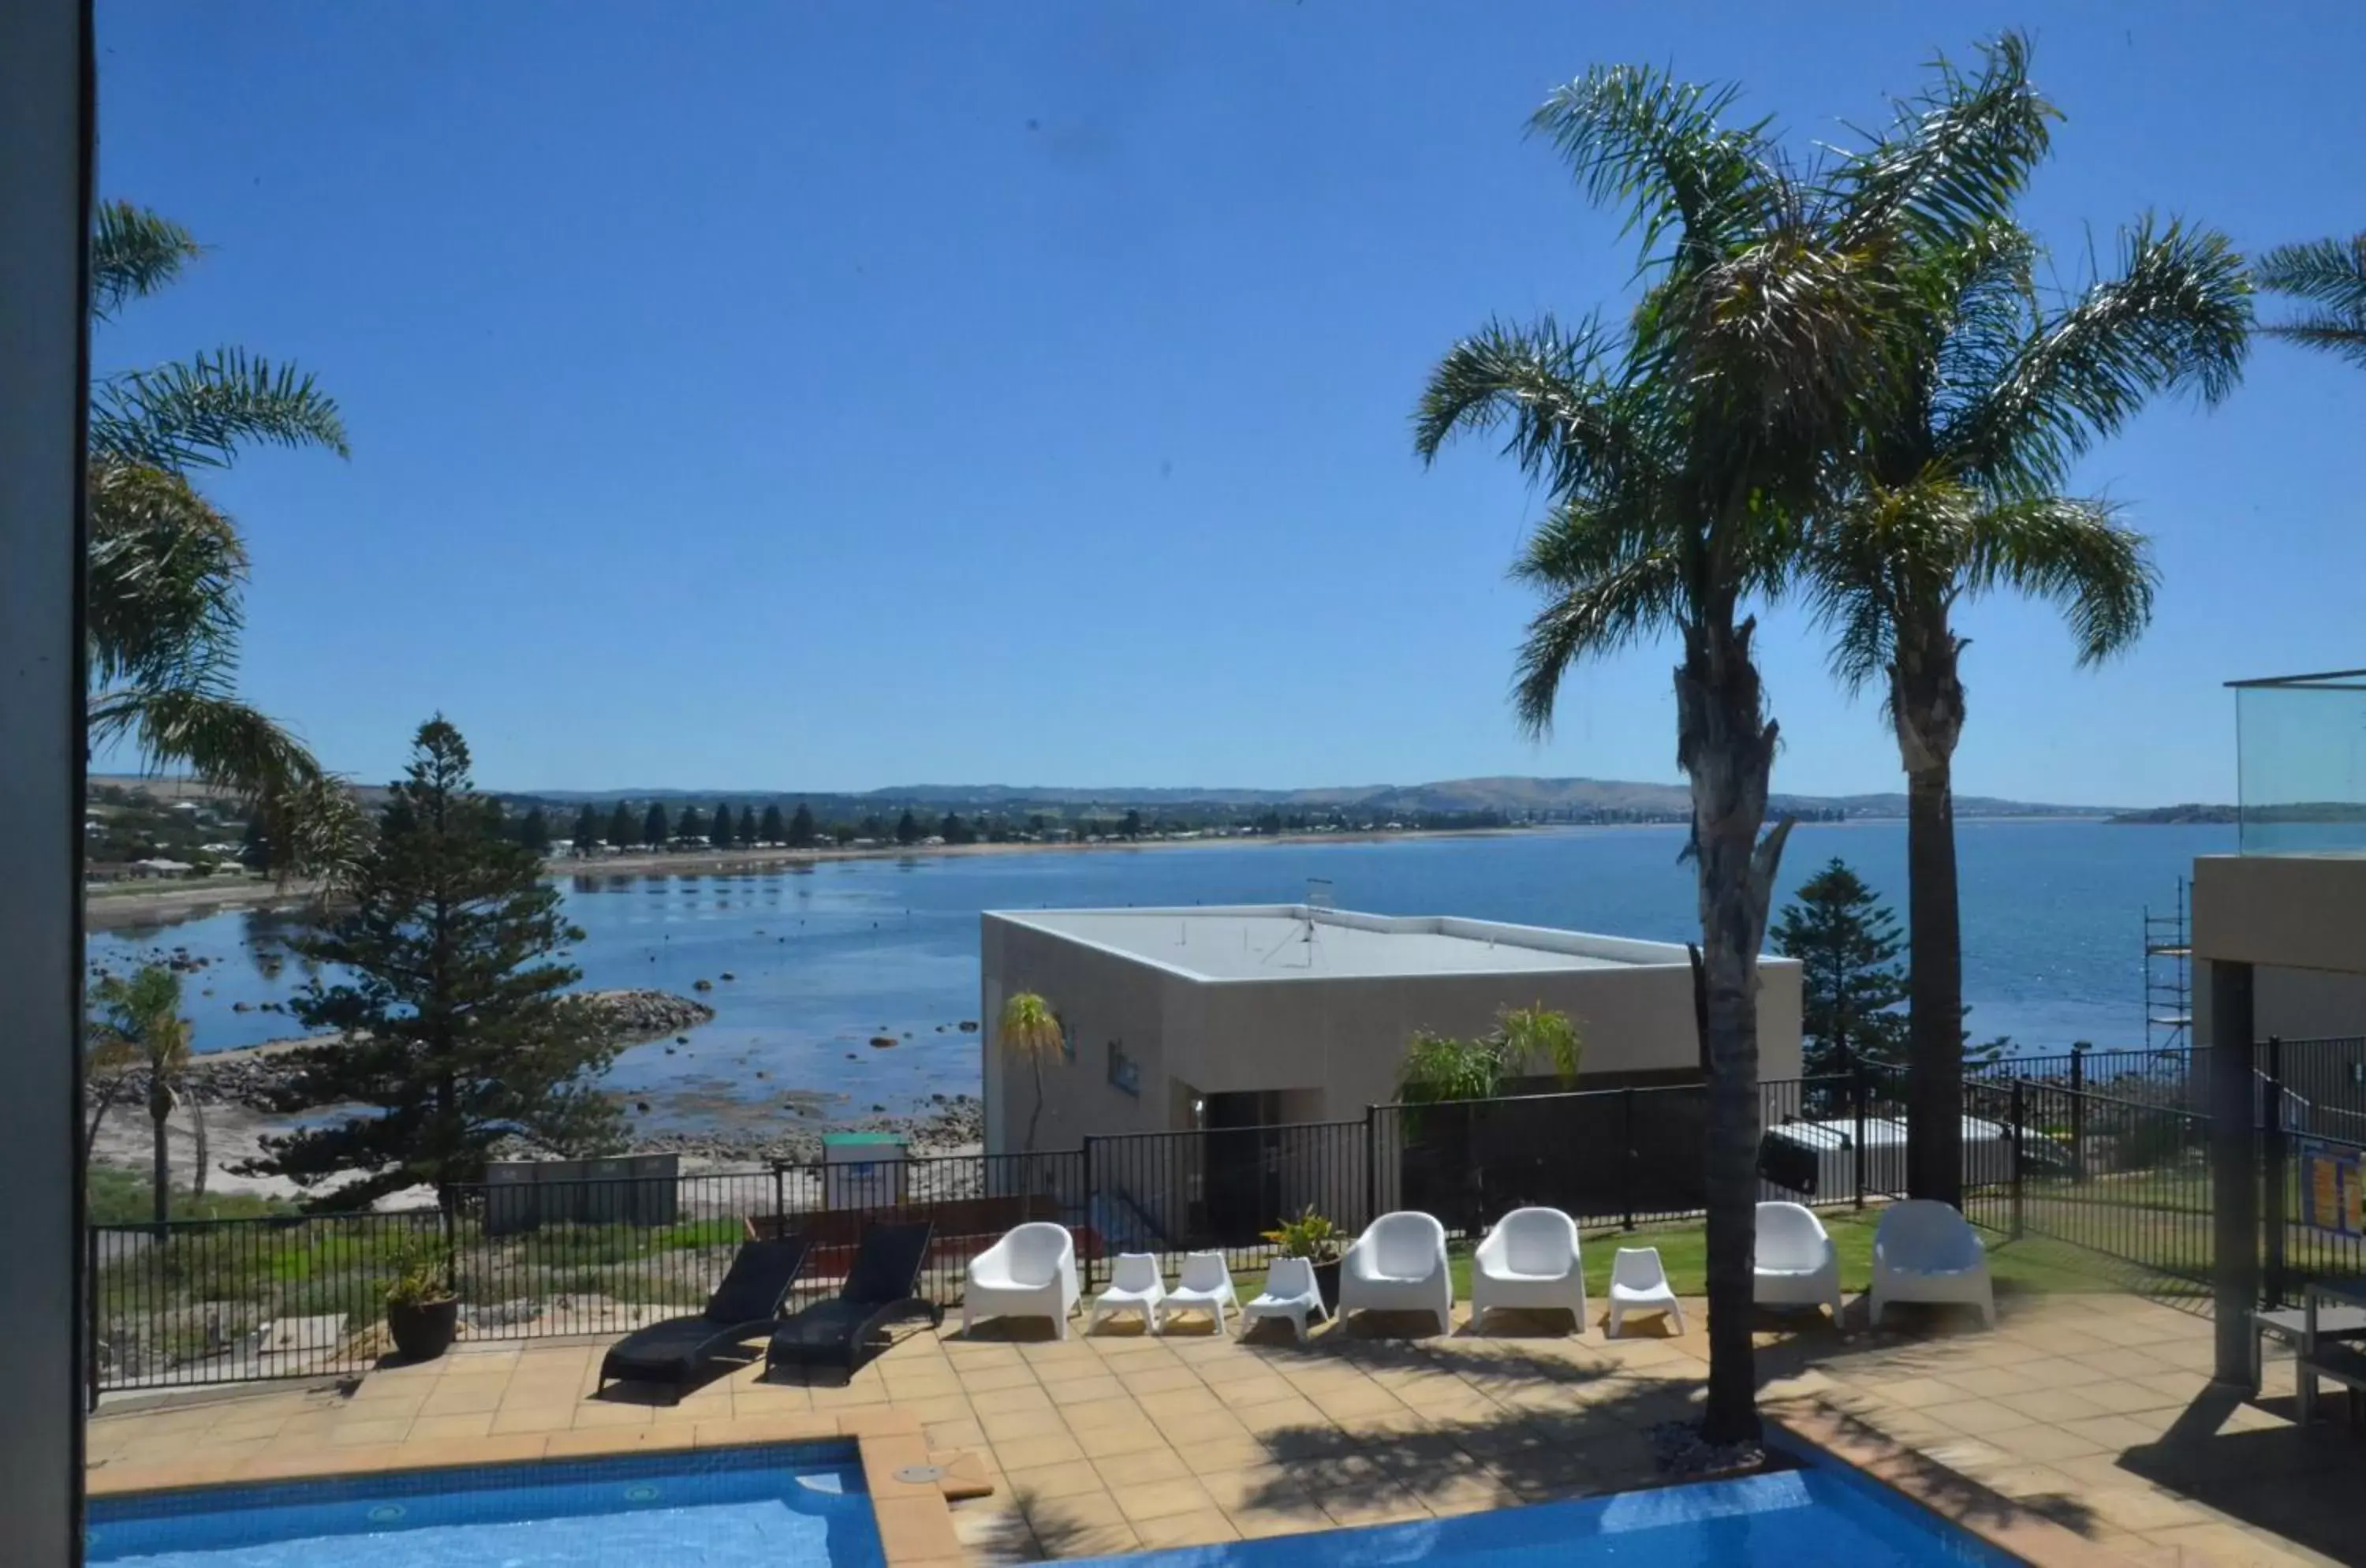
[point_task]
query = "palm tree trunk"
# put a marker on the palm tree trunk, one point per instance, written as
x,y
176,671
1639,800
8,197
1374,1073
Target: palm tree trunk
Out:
x,y
1928,702
1725,745
197,1150
1036,1114
161,1170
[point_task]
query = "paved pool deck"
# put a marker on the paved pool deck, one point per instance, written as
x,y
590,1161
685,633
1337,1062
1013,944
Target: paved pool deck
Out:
x,y
2082,1429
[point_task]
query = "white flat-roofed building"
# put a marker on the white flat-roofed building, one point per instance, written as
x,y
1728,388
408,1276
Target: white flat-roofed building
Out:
x,y
1189,1018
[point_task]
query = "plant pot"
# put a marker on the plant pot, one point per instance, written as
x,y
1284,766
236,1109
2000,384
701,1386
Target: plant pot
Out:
x,y
1326,1279
425,1330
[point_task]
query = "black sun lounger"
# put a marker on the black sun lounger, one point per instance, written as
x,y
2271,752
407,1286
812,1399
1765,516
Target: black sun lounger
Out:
x,y
746,1304
881,1289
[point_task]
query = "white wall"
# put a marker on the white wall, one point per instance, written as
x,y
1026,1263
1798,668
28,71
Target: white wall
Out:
x,y
1330,1045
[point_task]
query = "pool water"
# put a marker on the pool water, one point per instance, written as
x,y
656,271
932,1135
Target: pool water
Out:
x,y
754,1507
1790,1520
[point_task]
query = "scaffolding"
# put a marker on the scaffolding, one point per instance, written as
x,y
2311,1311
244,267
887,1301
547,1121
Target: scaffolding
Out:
x,y
2169,982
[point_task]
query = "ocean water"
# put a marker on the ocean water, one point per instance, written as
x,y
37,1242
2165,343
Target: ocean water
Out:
x,y
824,958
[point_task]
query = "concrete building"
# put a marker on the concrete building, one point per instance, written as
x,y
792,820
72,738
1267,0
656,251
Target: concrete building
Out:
x,y
2278,944
1206,1019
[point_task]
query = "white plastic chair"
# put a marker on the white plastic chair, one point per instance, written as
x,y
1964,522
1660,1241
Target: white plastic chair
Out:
x,y
1924,1251
1289,1292
1795,1263
1399,1264
1134,1286
1530,1259
1639,1283
1205,1285
1031,1272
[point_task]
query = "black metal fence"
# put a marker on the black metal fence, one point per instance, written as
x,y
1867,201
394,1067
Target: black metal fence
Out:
x,y
220,1301
2125,1177
2104,1150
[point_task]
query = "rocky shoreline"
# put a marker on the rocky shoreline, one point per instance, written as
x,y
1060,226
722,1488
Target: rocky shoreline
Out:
x,y
255,1077
953,1123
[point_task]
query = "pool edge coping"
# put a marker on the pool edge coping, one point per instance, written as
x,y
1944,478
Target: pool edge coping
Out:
x,y
2013,1527
914,1519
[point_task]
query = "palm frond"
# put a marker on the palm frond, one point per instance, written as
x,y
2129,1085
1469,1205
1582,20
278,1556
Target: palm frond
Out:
x,y
1028,1030
1954,156
221,739
1976,307
2074,554
162,583
1637,139
2176,317
198,414
1610,578
1544,386
134,252
2330,274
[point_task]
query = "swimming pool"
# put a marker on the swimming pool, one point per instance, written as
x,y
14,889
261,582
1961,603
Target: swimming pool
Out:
x,y
1788,1519
749,1507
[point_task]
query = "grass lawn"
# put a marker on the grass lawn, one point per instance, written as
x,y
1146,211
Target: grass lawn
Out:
x,y
113,1195
2033,1265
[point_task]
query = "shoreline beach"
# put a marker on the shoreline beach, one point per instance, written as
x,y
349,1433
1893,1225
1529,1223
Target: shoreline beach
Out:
x,y
114,906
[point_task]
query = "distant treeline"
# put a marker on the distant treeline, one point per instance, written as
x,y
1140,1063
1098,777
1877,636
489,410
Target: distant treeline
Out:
x,y
588,826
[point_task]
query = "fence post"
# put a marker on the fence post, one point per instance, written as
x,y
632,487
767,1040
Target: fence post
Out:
x,y
90,1299
2077,1114
2018,1112
1860,1090
1372,1163
2271,1191
779,1202
1092,1262
1627,1158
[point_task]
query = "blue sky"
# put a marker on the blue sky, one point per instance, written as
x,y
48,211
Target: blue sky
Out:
x,y
836,396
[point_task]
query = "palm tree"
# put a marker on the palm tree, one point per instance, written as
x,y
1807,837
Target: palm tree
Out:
x,y
1443,1067
1028,1031
138,1027
1954,494
1682,456
2329,275
167,569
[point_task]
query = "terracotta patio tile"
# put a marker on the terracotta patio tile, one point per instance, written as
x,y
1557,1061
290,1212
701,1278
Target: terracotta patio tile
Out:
x,y
1008,1428
1097,1415
1030,1453
1976,1416
1048,1482
440,1429
1081,1390
1202,1527
1008,1400
1180,1403
1146,1465
986,1379
2051,1405
1108,1443
1155,1499
954,1435
525,1418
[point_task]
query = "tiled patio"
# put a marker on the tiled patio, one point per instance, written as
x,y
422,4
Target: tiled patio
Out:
x,y
2094,1410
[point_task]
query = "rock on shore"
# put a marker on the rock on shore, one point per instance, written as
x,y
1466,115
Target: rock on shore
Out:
x,y
252,1078
952,1124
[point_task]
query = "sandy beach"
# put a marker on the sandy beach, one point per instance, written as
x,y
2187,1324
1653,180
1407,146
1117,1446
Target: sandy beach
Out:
x,y
115,905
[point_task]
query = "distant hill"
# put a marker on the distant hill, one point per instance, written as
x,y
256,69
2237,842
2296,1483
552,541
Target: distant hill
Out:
x,y
2173,815
1515,796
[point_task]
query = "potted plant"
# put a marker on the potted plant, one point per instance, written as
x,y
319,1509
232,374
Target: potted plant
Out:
x,y
423,1311
1316,1239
